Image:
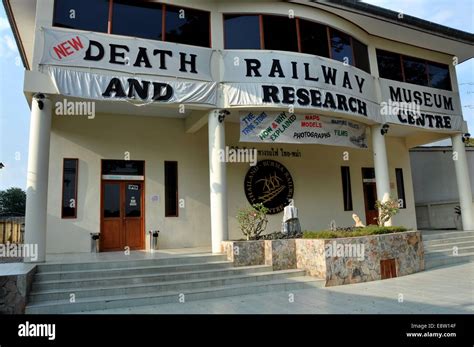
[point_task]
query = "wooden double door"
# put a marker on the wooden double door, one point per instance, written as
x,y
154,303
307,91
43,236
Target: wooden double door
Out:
x,y
370,195
370,198
122,216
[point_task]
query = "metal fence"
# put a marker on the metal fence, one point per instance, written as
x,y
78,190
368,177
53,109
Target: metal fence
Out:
x,y
12,229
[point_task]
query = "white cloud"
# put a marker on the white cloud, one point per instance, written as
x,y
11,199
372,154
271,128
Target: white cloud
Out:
x,y
10,43
7,46
456,14
442,17
4,25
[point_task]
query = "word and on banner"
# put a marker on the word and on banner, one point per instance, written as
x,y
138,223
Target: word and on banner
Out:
x,y
283,127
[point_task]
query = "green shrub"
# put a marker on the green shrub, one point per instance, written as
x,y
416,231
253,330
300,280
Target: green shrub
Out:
x,y
253,221
365,231
387,209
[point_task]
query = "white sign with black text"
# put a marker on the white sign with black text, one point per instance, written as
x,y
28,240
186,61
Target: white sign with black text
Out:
x,y
437,109
106,87
257,78
284,127
127,54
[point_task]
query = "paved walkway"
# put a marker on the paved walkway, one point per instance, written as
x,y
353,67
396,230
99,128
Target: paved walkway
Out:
x,y
443,290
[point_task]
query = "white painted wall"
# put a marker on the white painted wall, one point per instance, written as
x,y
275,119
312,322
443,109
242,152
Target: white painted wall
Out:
x,y
146,138
433,174
435,186
318,187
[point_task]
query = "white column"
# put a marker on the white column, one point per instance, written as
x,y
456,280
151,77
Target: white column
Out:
x,y
464,184
37,175
217,180
382,177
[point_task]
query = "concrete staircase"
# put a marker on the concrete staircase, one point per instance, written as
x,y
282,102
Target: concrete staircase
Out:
x,y
80,287
439,248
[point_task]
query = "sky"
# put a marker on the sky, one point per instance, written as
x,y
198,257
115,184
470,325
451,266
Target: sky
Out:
x,y
15,113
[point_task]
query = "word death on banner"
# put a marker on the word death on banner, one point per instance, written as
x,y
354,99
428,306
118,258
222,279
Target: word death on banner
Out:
x,y
286,127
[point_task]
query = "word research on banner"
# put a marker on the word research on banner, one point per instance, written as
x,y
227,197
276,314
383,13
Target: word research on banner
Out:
x,y
284,127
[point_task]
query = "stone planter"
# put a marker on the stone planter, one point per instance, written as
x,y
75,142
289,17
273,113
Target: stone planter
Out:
x,y
338,261
244,253
280,254
14,290
360,259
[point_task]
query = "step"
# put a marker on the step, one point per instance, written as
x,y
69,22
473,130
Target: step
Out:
x,y
93,282
130,263
449,245
142,270
174,286
102,303
448,240
438,261
448,251
446,235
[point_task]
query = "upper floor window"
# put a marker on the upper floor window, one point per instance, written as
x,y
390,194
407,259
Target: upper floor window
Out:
x,y
279,33
188,26
314,38
92,15
389,65
294,35
341,48
439,75
242,31
138,18
413,70
361,55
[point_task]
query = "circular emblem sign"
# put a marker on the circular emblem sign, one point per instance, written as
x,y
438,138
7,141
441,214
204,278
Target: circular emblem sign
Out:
x,y
269,183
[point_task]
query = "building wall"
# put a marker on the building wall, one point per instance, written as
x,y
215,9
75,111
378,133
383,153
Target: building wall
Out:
x,y
435,186
145,138
316,175
318,188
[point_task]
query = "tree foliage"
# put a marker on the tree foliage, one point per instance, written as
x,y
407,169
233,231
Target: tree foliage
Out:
x,y
12,202
387,210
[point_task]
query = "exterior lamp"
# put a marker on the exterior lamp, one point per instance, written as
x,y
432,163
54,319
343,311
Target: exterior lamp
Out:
x,y
466,137
384,129
2,166
39,98
222,114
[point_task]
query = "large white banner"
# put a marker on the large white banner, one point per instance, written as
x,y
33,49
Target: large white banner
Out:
x,y
131,55
279,79
107,87
284,127
423,107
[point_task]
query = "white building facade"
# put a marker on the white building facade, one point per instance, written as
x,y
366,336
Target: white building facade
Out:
x,y
437,199
135,103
